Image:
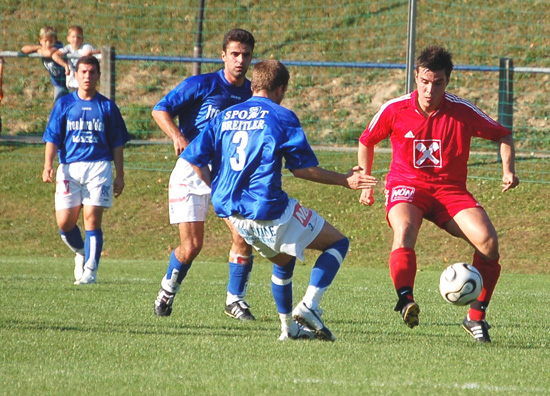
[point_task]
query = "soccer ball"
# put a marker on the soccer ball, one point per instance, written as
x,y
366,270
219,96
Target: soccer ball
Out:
x,y
460,284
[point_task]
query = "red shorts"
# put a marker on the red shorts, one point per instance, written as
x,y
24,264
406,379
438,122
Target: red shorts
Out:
x,y
438,203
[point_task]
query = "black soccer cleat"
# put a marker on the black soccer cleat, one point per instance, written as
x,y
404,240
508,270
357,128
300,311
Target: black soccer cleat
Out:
x,y
163,303
239,310
409,313
477,329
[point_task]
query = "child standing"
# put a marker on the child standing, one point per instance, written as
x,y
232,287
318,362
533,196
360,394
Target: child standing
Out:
x,y
77,49
47,47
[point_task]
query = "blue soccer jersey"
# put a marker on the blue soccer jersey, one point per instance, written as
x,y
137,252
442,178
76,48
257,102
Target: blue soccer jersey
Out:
x,y
198,99
246,145
85,130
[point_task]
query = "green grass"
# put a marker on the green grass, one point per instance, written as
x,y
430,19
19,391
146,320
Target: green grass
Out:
x,y
62,339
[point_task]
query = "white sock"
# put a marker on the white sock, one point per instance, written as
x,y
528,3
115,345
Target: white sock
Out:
x,y
313,296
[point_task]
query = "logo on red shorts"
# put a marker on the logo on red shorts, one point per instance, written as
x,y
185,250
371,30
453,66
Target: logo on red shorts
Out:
x,y
402,193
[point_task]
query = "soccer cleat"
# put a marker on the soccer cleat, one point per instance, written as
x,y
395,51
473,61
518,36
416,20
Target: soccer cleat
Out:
x,y
239,310
409,313
87,278
477,329
78,266
296,332
312,320
163,303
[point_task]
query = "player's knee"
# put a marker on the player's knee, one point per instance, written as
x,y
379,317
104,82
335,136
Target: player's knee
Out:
x,y
188,252
489,247
339,249
241,259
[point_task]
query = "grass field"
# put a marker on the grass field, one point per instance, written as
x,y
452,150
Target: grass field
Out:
x,y
60,339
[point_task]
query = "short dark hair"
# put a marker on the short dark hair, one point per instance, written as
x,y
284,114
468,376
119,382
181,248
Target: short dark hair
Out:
x,y
88,60
240,36
269,75
435,58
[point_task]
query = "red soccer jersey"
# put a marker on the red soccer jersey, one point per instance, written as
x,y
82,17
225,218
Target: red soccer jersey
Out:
x,y
433,149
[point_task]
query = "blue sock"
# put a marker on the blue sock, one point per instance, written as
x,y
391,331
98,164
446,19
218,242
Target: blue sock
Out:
x,y
175,274
328,264
238,278
281,286
93,248
73,239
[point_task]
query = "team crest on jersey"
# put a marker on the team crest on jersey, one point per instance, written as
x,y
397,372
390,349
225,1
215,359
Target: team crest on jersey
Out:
x,y
254,112
400,193
427,153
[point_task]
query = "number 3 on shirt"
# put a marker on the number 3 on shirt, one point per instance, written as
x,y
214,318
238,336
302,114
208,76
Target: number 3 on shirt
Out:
x,y
241,140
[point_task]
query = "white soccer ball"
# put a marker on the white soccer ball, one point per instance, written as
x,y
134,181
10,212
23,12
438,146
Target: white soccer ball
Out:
x,y
460,284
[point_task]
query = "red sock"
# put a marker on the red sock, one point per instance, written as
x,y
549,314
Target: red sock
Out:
x,y
490,272
403,267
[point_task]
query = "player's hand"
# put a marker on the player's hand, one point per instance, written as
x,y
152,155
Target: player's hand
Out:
x,y
358,180
180,143
118,186
367,197
47,175
509,181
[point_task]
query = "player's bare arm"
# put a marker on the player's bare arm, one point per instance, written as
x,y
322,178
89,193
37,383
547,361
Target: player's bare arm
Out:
x,y
353,179
365,158
204,174
169,127
118,182
49,156
507,154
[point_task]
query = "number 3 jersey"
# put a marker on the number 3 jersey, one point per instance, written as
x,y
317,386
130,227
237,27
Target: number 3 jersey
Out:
x,y
433,149
246,145
85,130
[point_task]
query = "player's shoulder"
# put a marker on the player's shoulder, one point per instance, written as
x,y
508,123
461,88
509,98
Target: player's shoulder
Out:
x,y
460,106
66,100
400,102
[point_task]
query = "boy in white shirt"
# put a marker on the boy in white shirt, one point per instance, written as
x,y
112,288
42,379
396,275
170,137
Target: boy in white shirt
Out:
x,y
77,49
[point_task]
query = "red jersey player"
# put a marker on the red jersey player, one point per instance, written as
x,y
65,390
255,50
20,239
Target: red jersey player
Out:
x,y
430,132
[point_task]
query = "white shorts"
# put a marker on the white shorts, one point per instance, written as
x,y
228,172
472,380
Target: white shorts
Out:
x,y
84,183
292,233
188,195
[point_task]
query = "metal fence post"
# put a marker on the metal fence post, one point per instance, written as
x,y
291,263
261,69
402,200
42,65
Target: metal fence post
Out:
x,y
108,74
506,93
411,39
197,50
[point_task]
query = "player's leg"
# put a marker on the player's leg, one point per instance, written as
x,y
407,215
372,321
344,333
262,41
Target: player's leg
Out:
x,y
240,266
405,220
71,235
474,226
188,201
334,247
281,288
93,244
68,205
97,195
181,259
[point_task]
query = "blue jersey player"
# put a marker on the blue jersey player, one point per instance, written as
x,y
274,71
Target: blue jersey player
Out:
x,y
195,101
86,131
246,145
